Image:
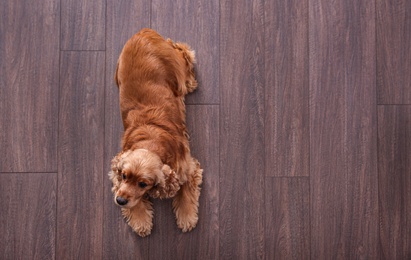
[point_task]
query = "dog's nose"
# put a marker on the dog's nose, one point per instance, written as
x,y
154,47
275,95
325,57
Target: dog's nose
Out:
x,y
121,201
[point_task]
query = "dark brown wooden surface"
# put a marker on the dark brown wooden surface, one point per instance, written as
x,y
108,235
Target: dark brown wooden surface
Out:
x,y
286,88
28,215
242,130
287,224
343,129
81,146
82,25
393,30
394,167
303,156
29,58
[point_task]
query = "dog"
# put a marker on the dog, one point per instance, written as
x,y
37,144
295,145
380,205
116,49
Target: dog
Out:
x,y
153,76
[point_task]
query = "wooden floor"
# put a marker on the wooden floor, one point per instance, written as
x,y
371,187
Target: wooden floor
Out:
x,y
302,123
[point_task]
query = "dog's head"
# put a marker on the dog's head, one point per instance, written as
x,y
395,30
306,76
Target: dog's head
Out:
x,y
135,173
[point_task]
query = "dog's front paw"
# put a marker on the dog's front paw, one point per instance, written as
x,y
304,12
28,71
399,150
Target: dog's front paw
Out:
x,y
186,220
185,204
140,218
142,229
140,223
186,213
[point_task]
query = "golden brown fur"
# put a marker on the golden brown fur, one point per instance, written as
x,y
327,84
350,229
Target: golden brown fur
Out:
x,y
153,76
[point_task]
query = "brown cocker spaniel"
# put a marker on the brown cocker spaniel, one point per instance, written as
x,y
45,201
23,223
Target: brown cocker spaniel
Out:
x,y
153,76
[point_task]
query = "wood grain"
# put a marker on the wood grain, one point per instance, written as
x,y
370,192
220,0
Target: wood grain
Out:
x,y
197,24
394,168
83,25
287,221
343,174
119,29
28,217
286,106
81,144
28,85
287,88
393,51
241,196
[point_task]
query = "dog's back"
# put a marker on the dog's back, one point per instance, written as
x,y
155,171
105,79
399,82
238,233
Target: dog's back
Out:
x,y
149,61
153,76
153,71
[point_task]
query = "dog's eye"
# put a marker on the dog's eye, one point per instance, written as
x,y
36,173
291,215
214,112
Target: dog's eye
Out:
x,y
123,176
142,184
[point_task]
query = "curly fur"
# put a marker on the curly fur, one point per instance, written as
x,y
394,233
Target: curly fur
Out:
x,y
167,187
153,76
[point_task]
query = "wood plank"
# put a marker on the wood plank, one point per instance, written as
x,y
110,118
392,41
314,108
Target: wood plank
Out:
x,y
203,125
28,93
203,241
394,168
287,218
393,51
241,196
83,25
28,218
81,144
196,23
343,175
286,93
119,29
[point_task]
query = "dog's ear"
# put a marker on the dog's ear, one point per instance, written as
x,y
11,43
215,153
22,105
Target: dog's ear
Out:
x,y
167,185
115,162
113,174
115,167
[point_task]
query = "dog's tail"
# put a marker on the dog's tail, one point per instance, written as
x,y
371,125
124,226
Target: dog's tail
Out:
x,y
189,83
